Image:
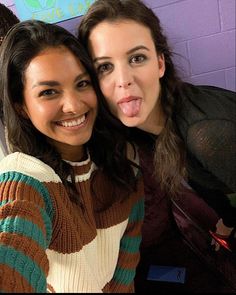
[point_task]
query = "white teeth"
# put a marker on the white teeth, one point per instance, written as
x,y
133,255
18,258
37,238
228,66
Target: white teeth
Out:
x,y
73,122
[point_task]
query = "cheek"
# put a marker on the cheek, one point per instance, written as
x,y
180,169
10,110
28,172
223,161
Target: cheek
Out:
x,y
107,87
92,100
41,112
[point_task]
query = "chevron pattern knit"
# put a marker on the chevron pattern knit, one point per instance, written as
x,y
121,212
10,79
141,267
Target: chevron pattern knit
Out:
x,y
49,244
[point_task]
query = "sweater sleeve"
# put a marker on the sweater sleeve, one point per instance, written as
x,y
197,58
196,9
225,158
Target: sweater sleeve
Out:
x,y
123,278
25,233
215,149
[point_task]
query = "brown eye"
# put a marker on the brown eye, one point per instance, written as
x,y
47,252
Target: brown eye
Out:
x,y
103,68
47,92
83,84
138,59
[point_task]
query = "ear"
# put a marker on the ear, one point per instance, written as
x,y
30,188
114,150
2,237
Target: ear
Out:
x,y
21,110
161,64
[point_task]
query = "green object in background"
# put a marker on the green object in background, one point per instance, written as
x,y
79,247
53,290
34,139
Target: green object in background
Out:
x,y
36,4
232,198
51,11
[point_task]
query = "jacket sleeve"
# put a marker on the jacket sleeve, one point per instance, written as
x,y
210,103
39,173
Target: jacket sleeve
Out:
x,y
25,233
214,164
207,124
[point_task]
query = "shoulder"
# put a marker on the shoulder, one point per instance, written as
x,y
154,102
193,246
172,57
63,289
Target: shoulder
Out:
x,y
199,105
28,165
203,101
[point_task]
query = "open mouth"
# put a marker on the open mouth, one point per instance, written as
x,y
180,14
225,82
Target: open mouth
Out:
x,y
73,122
131,107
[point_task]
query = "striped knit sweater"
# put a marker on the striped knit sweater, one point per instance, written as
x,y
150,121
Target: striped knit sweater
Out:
x,y
50,244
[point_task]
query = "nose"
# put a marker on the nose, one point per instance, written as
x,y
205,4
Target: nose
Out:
x,y
124,84
71,103
124,77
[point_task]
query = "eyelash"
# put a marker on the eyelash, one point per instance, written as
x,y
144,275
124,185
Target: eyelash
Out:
x,y
141,58
100,68
52,92
45,92
106,67
83,84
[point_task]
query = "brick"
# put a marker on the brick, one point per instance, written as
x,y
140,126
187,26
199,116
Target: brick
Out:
x,y
190,19
181,59
227,14
213,78
230,76
159,3
71,24
212,52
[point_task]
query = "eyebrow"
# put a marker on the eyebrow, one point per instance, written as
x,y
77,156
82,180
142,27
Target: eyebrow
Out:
x,y
53,83
128,52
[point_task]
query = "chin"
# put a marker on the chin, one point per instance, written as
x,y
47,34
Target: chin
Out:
x,y
131,122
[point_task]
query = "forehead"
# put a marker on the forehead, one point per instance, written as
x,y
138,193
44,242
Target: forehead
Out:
x,y
118,36
53,63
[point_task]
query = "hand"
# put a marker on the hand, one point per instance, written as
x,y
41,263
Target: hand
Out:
x,y
223,231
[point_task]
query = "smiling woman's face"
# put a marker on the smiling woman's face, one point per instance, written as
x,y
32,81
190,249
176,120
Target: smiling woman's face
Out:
x,y
60,100
129,71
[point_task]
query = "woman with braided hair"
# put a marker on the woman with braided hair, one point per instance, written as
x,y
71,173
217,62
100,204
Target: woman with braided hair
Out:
x,y
185,133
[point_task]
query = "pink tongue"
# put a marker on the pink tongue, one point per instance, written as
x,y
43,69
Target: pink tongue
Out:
x,y
130,108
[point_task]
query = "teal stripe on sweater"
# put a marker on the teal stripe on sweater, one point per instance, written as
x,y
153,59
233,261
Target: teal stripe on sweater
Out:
x,y
48,226
2,203
130,244
124,276
28,268
137,212
23,227
36,184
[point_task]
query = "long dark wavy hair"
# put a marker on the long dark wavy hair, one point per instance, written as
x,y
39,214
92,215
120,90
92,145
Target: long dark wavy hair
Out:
x,y
7,20
107,147
169,155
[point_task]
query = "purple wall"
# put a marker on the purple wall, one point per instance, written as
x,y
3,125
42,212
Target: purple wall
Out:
x,y
200,32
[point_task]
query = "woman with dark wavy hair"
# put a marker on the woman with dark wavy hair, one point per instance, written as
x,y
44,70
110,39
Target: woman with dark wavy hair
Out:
x,y
71,202
185,133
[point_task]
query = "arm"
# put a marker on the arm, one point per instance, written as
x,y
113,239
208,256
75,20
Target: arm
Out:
x,y
25,232
213,144
128,259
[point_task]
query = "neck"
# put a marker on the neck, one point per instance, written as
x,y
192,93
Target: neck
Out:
x,y
155,122
69,152
75,154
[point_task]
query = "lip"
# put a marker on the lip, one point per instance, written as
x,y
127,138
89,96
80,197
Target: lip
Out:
x,y
58,123
73,118
128,98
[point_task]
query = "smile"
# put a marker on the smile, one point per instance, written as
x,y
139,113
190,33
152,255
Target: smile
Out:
x,y
72,123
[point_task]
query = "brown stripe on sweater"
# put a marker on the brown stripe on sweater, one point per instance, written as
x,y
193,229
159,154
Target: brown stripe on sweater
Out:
x,y
119,211
11,281
114,287
26,211
13,190
84,169
19,243
73,226
134,229
131,262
